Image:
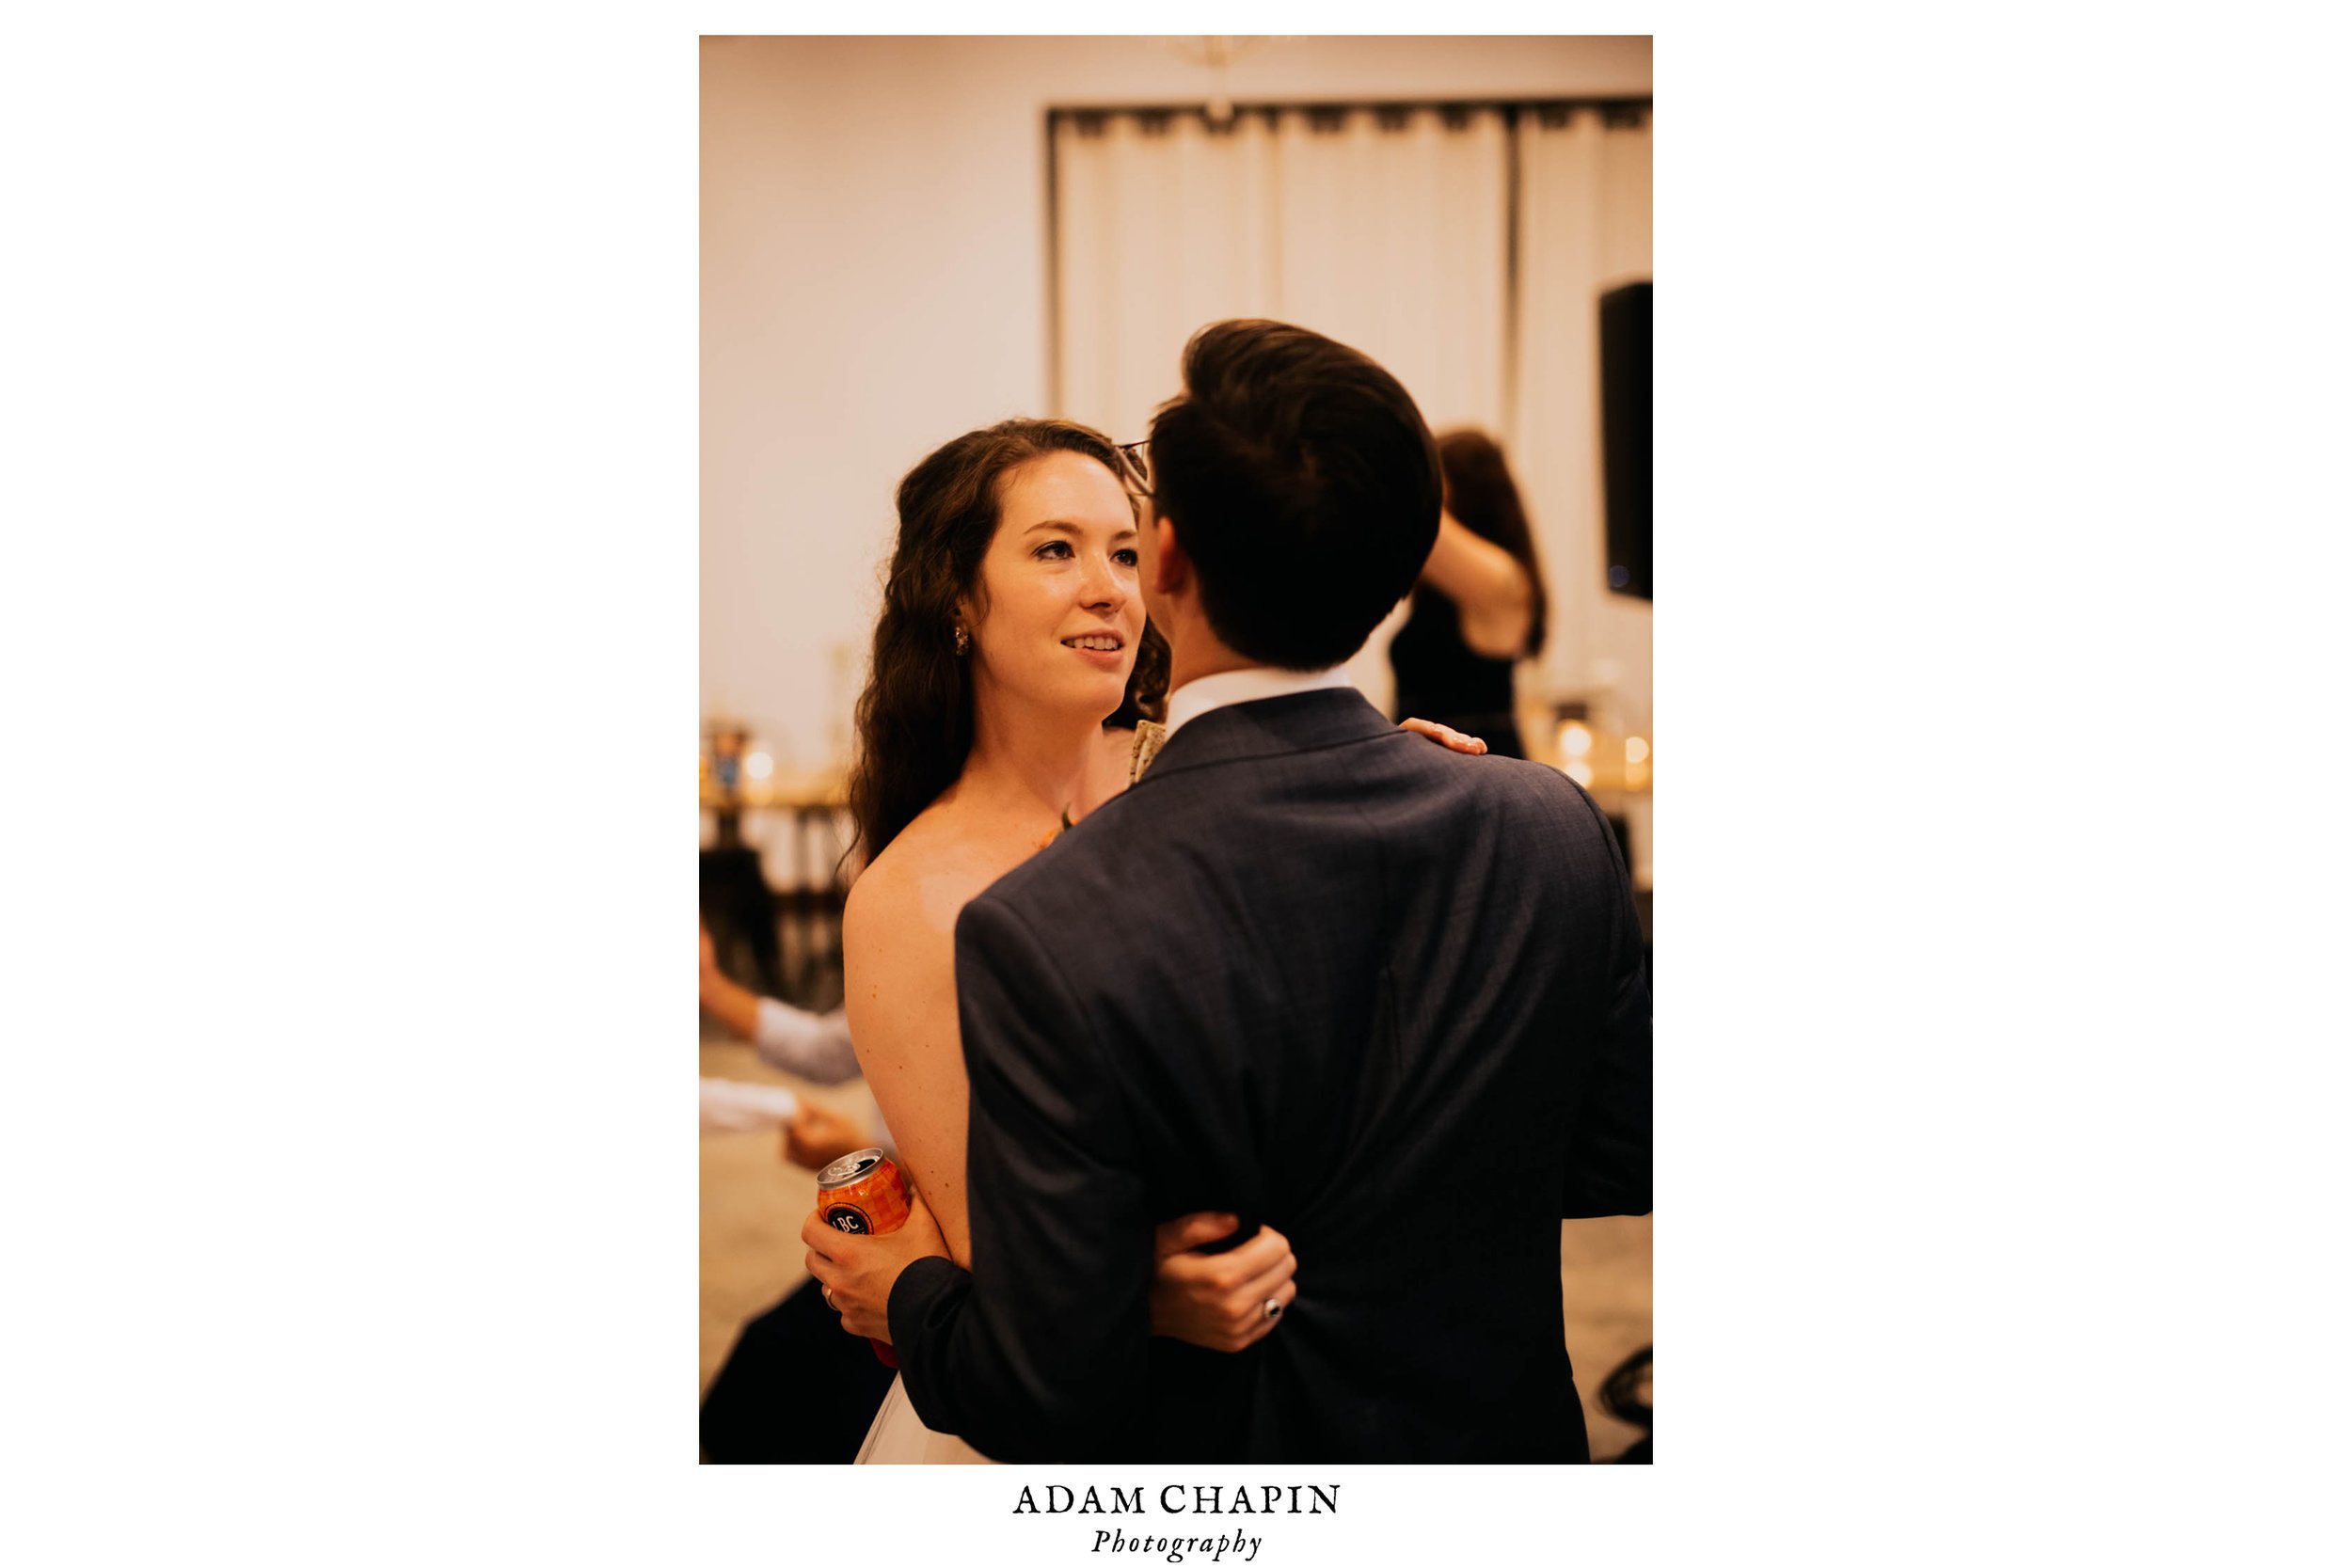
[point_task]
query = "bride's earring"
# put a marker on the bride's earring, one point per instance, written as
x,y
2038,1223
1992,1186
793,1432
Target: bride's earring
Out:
x,y
963,641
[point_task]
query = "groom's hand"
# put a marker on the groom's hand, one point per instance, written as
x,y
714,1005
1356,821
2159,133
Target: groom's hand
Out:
x,y
857,1271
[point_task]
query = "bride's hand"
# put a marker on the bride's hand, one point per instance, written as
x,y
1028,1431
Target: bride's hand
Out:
x,y
1453,740
1219,1300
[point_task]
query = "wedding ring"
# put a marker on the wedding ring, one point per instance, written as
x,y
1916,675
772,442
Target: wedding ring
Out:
x,y
1273,1308
826,1291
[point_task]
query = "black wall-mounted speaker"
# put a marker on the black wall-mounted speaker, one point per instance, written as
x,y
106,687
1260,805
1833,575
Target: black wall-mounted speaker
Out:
x,y
1624,411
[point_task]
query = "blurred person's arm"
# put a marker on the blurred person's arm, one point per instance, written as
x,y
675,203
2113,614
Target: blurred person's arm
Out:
x,y
1491,590
818,1135
814,1045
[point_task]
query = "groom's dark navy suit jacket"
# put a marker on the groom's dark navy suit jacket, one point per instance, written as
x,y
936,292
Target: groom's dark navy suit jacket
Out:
x,y
1324,974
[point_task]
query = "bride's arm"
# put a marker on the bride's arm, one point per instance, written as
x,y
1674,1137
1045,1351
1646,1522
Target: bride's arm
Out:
x,y
899,954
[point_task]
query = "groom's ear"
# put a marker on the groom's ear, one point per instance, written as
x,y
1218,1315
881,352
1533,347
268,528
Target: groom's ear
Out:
x,y
1171,569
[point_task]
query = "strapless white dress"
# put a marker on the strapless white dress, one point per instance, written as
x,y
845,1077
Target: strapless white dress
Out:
x,y
898,1436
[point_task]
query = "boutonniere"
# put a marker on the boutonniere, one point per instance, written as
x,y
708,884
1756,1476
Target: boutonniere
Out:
x,y
1148,738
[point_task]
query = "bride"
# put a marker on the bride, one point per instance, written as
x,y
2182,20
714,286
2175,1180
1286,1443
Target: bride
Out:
x,y
1013,679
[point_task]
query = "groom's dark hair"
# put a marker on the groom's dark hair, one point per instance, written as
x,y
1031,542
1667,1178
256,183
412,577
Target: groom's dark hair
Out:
x,y
1302,482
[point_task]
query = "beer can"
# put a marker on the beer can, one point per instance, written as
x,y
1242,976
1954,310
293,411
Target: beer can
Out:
x,y
864,1194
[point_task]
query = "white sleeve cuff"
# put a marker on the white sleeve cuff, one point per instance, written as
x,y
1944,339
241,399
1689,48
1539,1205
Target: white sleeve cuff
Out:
x,y
814,1045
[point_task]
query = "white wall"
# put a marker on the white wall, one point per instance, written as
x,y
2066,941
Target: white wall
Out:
x,y
874,281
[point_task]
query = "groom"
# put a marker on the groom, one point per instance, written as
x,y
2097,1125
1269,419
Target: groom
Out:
x,y
1310,970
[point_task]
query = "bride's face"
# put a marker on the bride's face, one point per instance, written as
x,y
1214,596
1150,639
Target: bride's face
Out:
x,y
1063,610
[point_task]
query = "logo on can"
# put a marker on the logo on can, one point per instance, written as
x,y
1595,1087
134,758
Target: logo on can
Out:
x,y
864,1194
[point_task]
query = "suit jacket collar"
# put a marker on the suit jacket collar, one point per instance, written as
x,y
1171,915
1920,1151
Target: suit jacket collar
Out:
x,y
1270,726
1250,684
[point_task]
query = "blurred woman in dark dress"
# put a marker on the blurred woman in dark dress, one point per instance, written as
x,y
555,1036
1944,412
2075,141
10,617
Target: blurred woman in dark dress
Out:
x,y
1479,607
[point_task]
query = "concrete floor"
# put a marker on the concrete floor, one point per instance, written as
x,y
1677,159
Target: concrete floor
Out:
x,y
752,1203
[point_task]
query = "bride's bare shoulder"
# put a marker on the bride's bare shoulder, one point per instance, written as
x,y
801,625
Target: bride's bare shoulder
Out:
x,y
916,888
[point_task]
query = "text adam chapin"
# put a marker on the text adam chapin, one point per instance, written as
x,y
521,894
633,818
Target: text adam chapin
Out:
x,y
1177,1497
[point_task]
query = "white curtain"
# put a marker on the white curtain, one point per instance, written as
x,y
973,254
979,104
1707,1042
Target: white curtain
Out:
x,y
1391,231
1584,229
1158,231
1386,230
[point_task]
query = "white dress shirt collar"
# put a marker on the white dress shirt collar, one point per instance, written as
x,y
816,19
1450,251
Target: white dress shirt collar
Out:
x,y
1196,697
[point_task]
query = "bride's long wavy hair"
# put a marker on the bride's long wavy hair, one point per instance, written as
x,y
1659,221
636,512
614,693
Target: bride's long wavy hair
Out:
x,y
914,717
